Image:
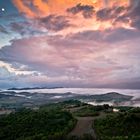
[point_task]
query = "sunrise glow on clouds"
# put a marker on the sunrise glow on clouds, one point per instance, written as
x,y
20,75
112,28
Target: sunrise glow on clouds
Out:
x,y
71,43
77,15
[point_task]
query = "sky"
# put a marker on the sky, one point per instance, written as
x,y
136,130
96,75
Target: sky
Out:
x,y
70,43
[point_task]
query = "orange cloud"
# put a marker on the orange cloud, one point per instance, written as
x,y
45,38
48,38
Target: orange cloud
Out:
x,y
23,8
36,9
59,6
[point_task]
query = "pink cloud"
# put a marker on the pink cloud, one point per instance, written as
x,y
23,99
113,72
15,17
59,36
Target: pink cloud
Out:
x,y
75,58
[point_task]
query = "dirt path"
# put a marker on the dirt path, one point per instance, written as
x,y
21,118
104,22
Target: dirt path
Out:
x,y
84,126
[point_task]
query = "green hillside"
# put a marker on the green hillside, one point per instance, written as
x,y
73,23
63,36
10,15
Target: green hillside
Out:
x,y
120,126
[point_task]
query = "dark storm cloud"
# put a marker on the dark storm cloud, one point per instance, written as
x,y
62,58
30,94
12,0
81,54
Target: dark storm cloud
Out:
x,y
136,23
3,29
18,27
109,13
87,10
135,14
24,28
122,14
134,7
123,18
55,23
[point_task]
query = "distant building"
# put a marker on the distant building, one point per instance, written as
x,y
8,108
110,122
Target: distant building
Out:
x,y
115,110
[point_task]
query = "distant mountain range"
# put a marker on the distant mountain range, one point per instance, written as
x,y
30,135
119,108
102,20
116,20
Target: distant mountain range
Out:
x,y
31,88
112,96
19,99
101,97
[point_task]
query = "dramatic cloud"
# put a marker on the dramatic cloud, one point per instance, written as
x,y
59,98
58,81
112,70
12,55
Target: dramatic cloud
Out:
x,y
127,16
89,58
134,14
55,23
3,30
19,27
41,8
87,10
87,43
25,28
99,14
110,13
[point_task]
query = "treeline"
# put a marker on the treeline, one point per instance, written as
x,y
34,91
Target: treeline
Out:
x,y
121,126
36,125
90,110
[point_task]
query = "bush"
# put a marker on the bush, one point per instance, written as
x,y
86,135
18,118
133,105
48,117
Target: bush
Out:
x,y
117,127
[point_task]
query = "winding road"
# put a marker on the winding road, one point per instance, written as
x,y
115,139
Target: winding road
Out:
x,y
84,126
